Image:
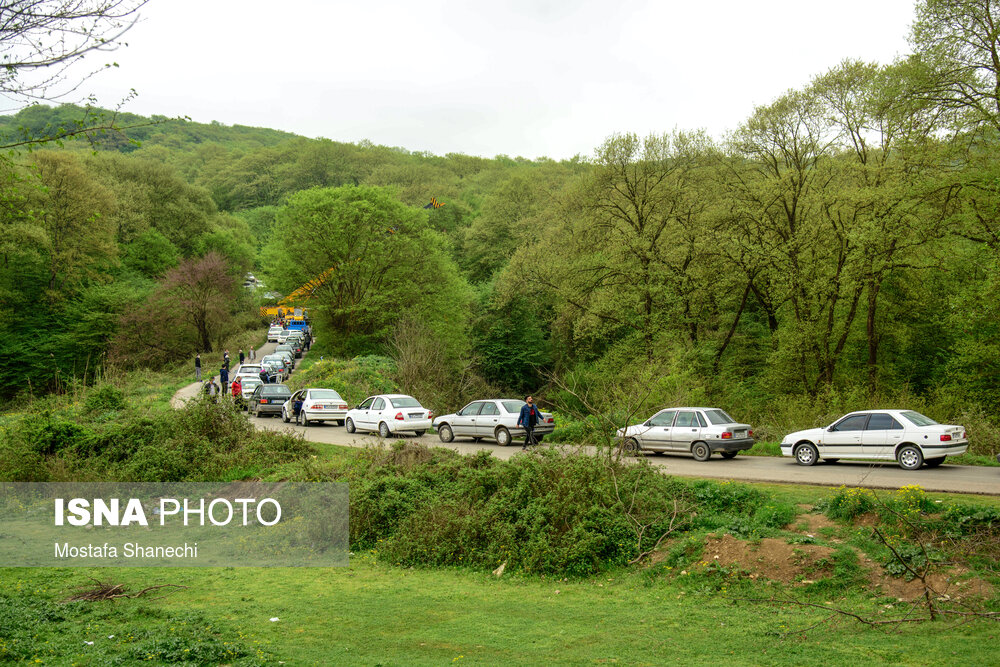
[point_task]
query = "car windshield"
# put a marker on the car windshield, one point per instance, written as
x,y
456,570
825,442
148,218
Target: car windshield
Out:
x,y
325,393
512,406
719,417
917,418
404,402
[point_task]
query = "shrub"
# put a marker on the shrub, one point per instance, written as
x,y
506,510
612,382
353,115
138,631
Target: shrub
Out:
x,y
105,398
355,379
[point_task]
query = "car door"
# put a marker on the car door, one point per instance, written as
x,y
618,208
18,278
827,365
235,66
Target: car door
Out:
x,y
686,429
488,419
377,412
881,435
844,437
363,420
657,434
465,420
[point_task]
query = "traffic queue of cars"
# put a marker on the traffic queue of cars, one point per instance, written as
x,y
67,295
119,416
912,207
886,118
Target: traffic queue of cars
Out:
x,y
907,437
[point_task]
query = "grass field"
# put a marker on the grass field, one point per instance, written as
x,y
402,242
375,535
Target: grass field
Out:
x,y
369,614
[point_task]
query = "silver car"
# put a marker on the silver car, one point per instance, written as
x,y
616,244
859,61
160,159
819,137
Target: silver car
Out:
x,y
699,431
493,419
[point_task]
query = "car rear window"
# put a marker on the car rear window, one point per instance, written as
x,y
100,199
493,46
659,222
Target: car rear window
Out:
x,y
917,418
404,402
325,393
719,417
276,390
513,406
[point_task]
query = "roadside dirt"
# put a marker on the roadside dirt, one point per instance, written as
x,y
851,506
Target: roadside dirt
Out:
x,y
770,558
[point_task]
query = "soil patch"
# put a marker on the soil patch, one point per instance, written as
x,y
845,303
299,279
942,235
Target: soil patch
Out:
x,y
770,558
813,521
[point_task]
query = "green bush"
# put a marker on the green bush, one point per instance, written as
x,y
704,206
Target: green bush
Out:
x,y
105,398
355,379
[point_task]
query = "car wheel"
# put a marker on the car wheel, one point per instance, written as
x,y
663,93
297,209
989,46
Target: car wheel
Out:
x,y
420,432
285,418
806,454
935,462
538,438
256,413
350,425
631,447
445,433
728,455
503,436
340,422
305,418
909,457
383,430
701,451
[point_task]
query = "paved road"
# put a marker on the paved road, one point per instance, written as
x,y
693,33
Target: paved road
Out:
x,y
946,478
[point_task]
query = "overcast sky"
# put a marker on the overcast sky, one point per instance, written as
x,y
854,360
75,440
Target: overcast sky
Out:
x,y
517,77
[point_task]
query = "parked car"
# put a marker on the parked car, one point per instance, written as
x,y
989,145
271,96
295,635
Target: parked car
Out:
x,y
267,399
904,436
493,419
389,413
276,365
314,406
247,370
249,384
285,352
293,345
273,333
699,431
283,336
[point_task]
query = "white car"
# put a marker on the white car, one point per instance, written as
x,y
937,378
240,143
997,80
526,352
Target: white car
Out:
x,y
495,419
699,431
273,333
249,383
904,436
283,335
314,406
388,414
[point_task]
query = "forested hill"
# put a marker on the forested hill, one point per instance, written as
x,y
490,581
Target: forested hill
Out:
x,y
177,134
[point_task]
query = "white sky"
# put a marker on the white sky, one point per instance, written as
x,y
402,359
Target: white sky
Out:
x,y
517,77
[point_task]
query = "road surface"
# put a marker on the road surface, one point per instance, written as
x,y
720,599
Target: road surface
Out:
x,y
946,478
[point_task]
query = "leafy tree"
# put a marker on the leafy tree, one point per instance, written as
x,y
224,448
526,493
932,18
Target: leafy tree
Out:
x,y
378,259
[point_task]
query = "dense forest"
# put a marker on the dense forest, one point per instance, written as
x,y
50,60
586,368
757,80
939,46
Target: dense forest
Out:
x,y
842,241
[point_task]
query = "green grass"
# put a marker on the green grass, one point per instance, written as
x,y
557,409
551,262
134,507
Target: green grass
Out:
x,y
370,614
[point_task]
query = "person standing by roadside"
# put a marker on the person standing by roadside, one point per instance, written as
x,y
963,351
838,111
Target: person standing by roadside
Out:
x,y
211,388
225,359
241,356
527,420
252,355
237,390
224,375
197,367
263,376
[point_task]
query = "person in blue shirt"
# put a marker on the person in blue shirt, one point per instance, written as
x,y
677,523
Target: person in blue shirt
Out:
x,y
529,417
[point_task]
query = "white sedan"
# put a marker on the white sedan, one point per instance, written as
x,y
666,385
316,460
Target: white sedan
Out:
x,y
699,431
904,436
273,333
495,419
388,414
314,406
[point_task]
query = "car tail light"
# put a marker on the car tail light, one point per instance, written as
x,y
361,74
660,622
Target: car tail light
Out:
x,y
343,407
550,420
749,434
430,414
726,435
263,400
399,416
946,437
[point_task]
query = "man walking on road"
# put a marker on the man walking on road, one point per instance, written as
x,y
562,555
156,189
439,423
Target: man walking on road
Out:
x,y
224,375
197,367
527,419
241,356
252,355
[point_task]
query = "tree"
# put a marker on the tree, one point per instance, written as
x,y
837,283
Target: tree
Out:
x,y
378,259
41,42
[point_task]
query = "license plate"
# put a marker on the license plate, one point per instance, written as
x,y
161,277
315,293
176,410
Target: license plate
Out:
x,y
415,415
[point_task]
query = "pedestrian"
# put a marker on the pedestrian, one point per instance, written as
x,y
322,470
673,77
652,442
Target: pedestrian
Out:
x,y
237,390
197,367
263,375
252,355
241,356
308,340
211,389
527,420
224,375
225,359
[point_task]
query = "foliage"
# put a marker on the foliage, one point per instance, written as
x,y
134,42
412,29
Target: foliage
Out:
x,y
355,379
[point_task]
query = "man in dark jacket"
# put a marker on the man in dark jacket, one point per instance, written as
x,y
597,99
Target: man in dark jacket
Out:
x,y
264,378
224,376
197,367
529,417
